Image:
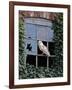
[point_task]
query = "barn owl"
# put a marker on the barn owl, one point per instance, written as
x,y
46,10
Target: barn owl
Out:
x,y
43,48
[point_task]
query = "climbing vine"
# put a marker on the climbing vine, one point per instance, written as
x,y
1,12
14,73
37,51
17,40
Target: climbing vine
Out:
x,y
58,39
21,46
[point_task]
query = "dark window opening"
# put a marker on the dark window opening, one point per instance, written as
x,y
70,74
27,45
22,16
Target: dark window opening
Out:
x,y
31,59
51,46
42,61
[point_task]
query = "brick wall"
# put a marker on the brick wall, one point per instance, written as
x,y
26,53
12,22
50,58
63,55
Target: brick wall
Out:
x,y
46,15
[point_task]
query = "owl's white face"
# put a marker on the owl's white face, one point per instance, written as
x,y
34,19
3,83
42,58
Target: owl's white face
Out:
x,y
40,43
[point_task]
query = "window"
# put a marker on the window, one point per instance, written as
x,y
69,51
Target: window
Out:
x,y
38,29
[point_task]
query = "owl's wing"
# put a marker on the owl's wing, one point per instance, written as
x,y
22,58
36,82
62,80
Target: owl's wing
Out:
x,y
45,50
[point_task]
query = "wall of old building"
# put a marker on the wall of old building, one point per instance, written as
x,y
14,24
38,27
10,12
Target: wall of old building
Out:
x,y
46,15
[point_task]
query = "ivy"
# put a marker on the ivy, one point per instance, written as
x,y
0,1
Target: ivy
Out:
x,y
58,39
